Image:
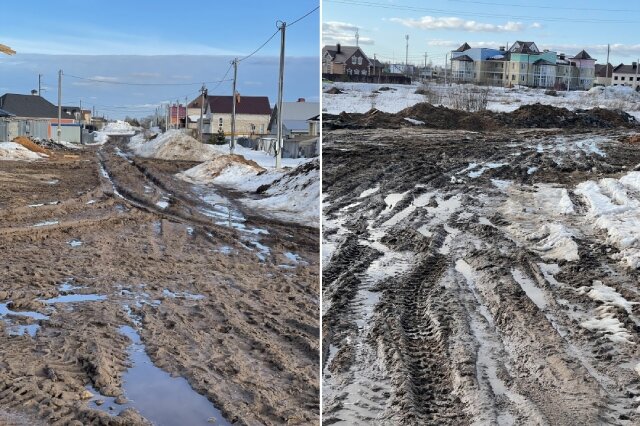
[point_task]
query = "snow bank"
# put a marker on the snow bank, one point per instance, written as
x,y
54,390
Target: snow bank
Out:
x,y
615,209
606,320
118,128
537,221
99,138
262,158
15,151
174,145
294,197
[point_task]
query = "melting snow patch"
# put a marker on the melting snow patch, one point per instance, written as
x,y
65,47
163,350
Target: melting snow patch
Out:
x,y
502,185
535,293
75,243
368,192
607,295
46,223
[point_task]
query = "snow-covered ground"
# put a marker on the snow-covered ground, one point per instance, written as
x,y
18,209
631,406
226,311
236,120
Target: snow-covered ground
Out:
x,y
172,145
119,127
361,97
15,151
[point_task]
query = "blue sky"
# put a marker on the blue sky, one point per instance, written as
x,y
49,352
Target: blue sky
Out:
x,y
437,26
162,42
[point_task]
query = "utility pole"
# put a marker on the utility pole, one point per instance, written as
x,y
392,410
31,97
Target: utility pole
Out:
x,y
637,66
39,84
279,143
232,143
606,75
59,132
186,113
203,92
357,38
445,68
406,56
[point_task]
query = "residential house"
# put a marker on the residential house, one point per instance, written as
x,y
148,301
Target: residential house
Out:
x,y
603,74
193,111
39,117
622,75
253,114
522,64
295,118
349,60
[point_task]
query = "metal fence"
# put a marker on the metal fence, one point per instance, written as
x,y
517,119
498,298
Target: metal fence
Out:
x,y
11,128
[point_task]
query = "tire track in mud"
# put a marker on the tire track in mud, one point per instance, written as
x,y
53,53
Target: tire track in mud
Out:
x,y
503,326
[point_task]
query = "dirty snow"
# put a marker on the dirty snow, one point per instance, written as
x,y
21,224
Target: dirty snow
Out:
x,y
118,127
15,151
174,145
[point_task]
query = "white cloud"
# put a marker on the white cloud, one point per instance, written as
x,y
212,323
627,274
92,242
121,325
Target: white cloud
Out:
x,y
454,44
536,25
342,32
454,23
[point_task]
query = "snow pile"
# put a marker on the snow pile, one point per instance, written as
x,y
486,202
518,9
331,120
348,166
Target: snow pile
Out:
x,y
606,320
15,151
537,218
616,211
263,159
361,97
99,138
174,145
224,170
119,128
294,197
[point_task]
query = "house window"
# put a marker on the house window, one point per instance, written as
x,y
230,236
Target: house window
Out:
x,y
360,61
622,78
513,76
262,129
522,78
220,123
615,77
354,60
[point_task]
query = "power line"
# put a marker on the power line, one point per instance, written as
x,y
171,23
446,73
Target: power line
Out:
x,y
277,31
474,14
304,16
544,7
126,83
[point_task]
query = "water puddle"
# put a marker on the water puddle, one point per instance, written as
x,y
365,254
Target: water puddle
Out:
x,y
75,243
263,251
182,295
162,399
535,293
163,203
46,223
73,298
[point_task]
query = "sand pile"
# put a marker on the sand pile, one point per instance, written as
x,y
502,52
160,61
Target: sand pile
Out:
x,y
30,145
15,151
222,169
174,145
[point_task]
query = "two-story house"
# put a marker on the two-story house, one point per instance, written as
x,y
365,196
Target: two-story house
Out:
x,y
626,75
252,115
350,60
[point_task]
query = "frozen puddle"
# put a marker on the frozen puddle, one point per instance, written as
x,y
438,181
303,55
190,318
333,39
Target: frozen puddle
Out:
x,y
163,203
182,295
46,223
20,329
72,298
75,243
162,399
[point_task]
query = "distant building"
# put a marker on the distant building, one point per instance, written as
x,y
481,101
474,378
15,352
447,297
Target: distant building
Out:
x,y
253,114
295,118
349,60
33,111
522,64
603,74
622,75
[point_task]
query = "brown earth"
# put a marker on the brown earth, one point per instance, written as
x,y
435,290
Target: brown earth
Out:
x,y
250,345
30,145
439,117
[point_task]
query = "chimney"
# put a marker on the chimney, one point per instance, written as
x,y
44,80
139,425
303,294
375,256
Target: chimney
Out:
x,y
301,99
562,56
634,64
338,47
502,48
34,92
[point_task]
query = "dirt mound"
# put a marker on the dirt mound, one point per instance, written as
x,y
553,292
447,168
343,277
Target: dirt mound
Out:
x,y
439,117
30,145
334,91
174,145
632,139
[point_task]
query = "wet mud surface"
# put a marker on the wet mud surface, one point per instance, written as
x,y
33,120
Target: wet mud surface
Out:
x,y
105,255
477,278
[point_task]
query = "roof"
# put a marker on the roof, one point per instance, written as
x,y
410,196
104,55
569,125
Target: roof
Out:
x,y
543,62
257,105
296,125
524,47
582,55
463,47
464,58
4,113
32,106
625,69
604,70
345,53
296,111
195,103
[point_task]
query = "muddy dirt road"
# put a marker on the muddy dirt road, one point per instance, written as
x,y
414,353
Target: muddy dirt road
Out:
x,y
129,296
481,278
